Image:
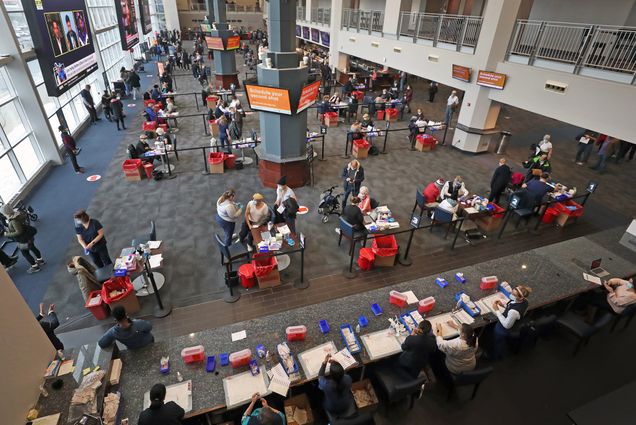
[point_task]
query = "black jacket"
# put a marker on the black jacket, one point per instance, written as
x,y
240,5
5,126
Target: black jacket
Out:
x,y
356,175
418,350
134,80
49,324
500,178
117,109
168,414
354,216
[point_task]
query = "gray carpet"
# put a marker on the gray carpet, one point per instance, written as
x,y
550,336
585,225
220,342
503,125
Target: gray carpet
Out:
x,y
184,208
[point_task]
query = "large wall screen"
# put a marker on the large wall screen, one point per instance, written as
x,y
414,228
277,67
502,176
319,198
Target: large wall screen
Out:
x,y
144,11
63,42
127,23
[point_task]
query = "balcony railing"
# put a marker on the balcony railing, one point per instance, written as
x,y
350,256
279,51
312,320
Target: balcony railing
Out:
x,y
600,47
458,30
300,13
363,20
242,8
321,16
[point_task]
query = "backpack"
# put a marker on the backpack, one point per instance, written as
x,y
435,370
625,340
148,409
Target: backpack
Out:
x,y
235,131
374,151
291,206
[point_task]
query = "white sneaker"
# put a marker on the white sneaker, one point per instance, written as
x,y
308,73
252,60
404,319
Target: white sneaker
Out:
x,y
33,269
337,229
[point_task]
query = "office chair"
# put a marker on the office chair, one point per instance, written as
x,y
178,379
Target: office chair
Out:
x,y
397,384
144,238
230,254
628,314
352,416
575,324
346,231
474,377
442,216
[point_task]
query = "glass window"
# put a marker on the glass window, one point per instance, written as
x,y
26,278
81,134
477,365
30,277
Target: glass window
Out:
x,y
9,181
12,5
50,106
70,117
36,72
21,28
27,157
6,91
11,123
55,123
79,108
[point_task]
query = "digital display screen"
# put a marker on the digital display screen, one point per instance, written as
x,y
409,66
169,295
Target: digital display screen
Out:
x,y
270,99
63,42
127,17
144,12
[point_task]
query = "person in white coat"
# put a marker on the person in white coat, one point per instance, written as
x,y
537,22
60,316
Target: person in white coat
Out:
x,y
460,351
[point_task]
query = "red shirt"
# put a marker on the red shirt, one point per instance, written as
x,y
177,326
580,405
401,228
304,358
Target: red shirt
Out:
x,y
431,193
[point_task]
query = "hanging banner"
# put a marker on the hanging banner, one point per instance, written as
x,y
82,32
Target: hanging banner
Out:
x,y
144,14
62,40
269,99
233,42
308,96
128,31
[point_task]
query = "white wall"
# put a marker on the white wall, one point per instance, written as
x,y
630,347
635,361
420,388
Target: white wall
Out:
x,y
25,353
373,4
608,12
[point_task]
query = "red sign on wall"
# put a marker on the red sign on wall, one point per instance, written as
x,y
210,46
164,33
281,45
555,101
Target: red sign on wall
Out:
x,y
308,96
461,73
491,79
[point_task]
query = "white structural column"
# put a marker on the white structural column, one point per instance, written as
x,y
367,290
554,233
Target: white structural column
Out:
x,y
478,115
308,5
392,9
337,60
26,90
172,14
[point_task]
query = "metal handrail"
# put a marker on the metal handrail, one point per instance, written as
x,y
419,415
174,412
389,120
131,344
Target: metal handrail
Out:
x,y
606,47
366,20
321,15
300,13
459,30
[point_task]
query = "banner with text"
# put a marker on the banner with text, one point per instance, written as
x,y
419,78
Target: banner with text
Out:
x,y
308,96
491,79
269,99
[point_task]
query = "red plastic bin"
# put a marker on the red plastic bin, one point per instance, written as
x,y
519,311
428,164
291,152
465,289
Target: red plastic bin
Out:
x,y
366,258
562,207
361,144
497,211
193,354
148,168
426,305
215,158
397,298
248,277
379,115
96,305
296,333
229,161
241,358
150,125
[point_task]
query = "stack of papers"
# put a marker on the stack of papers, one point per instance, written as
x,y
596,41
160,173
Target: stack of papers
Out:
x,y
463,317
155,261
279,381
593,279
345,358
66,367
154,244
410,297
443,319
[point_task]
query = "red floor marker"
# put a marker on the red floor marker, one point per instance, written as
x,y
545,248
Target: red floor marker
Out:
x,y
93,178
303,210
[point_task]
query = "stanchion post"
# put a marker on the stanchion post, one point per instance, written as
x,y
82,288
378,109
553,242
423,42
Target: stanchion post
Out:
x,y
196,100
444,138
346,152
349,273
406,261
302,284
459,221
205,125
386,135
540,219
505,222
161,309
322,148
205,171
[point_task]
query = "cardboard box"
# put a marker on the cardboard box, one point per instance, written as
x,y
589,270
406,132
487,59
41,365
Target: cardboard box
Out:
x,y
216,168
422,147
129,302
388,261
562,219
364,394
298,402
214,128
133,175
488,224
270,280
359,153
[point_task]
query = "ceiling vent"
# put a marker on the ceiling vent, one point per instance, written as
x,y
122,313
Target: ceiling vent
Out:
x,y
556,86
433,58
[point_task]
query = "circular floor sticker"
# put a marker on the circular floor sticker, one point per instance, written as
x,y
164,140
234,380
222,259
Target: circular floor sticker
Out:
x,y
303,210
93,178
131,105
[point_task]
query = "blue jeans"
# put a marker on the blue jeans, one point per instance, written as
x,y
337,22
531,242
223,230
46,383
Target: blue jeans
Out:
x,y
449,115
602,163
228,229
583,152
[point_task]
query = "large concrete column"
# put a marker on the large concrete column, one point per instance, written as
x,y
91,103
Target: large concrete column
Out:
x,y
335,34
282,150
478,115
392,10
308,5
224,61
171,14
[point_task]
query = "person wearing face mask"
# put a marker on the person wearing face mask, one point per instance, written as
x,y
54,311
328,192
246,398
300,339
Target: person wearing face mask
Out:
x,y
418,349
459,352
228,212
509,318
90,235
352,176
286,205
365,200
454,189
620,294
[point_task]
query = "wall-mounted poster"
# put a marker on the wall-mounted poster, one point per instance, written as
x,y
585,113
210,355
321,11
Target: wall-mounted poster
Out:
x,y
63,42
128,30
233,42
315,35
490,79
144,11
306,33
461,73
298,31
324,38
214,43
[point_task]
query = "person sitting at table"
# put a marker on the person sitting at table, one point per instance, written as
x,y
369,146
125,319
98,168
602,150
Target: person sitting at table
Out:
x,y
142,147
160,413
265,415
324,107
353,215
432,193
618,295
418,349
454,189
536,166
509,318
538,189
356,131
336,387
335,99
218,111
286,198
449,205
133,333
171,108
367,122
459,352
256,214
162,135
365,200
353,105
147,95
150,113
155,94
380,103
228,212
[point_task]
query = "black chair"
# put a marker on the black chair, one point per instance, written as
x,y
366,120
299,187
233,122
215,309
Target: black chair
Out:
x,y
346,230
351,417
628,314
441,216
397,384
474,377
420,201
529,332
577,326
144,238
522,214
231,254
102,274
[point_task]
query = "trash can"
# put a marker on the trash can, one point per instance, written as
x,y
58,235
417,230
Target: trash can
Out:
x,y
148,168
215,161
229,161
385,249
248,277
503,142
231,279
96,305
132,169
366,258
119,291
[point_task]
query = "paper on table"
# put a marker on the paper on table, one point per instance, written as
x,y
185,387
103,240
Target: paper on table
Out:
x,y
381,344
463,317
345,358
490,299
311,360
410,297
239,388
47,420
65,367
154,244
180,393
284,229
155,261
237,336
593,279
279,381
447,331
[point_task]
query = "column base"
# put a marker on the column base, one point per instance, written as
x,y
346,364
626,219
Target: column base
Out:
x,y
297,173
225,80
474,140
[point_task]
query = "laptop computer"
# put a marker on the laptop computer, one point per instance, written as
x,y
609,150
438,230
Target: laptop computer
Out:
x,y
597,269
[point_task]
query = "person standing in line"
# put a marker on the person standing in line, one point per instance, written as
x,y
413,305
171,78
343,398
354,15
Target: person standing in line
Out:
x,y
228,212
71,148
432,91
224,134
123,74
49,323
89,104
499,181
544,146
133,333
117,109
584,148
106,97
352,176
607,149
24,234
134,82
451,105
90,235
160,413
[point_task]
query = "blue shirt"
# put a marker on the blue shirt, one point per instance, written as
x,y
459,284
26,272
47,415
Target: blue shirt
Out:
x,y
246,419
538,189
336,401
135,336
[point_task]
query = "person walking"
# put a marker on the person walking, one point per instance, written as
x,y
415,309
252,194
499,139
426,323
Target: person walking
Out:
x,y
106,97
451,105
499,181
133,333
228,212
23,233
49,323
89,104
90,235
71,148
123,74
432,91
408,97
352,176
134,82
607,149
224,134
117,109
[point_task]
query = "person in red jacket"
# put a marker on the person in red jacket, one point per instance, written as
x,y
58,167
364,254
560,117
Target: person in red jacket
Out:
x,y
70,148
432,192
